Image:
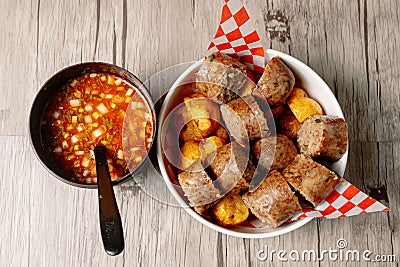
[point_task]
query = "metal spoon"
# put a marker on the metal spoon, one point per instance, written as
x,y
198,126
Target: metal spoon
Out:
x,y
110,219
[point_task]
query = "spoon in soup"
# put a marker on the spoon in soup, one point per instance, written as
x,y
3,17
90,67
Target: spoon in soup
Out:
x,y
110,219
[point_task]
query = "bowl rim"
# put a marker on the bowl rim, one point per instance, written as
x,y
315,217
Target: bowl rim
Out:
x,y
162,115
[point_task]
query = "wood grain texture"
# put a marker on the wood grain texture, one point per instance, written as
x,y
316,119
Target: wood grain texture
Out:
x,y
354,45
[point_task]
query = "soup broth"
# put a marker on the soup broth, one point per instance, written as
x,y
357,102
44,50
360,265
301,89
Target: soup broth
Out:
x,y
97,109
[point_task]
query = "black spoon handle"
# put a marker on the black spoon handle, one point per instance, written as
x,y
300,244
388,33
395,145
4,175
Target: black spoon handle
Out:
x,y
110,219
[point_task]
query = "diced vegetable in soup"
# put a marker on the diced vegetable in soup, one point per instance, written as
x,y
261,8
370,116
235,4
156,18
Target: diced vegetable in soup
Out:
x,y
97,109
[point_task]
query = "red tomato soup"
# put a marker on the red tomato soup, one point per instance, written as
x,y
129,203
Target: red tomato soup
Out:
x,y
97,109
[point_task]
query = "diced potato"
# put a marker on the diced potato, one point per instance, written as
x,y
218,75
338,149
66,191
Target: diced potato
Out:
x,y
222,133
74,83
85,163
230,211
190,153
74,139
288,125
118,82
88,119
120,154
204,124
75,102
296,92
98,132
129,92
303,107
88,108
201,116
102,108
209,145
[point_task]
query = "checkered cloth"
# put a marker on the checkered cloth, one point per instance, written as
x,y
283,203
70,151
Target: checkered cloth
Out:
x,y
346,200
236,35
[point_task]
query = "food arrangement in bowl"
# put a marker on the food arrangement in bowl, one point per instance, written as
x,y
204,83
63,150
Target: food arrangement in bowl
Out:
x,y
218,138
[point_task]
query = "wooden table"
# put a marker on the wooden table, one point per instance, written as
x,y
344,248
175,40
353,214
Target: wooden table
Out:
x,y
353,45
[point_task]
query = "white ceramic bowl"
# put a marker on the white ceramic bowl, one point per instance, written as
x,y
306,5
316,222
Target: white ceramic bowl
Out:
x,y
305,78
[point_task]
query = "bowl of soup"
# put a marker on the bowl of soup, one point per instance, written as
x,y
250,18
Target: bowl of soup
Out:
x,y
88,105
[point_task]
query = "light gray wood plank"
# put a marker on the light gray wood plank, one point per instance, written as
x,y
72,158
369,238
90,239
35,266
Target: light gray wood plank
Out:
x,y
18,46
353,45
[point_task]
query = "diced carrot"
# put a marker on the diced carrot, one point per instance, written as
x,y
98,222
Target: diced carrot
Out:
x,y
110,80
74,119
96,115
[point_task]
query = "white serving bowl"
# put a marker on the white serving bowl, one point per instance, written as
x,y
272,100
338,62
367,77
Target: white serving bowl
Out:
x,y
305,78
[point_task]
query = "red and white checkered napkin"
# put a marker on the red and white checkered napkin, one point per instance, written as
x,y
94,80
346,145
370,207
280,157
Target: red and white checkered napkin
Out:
x,y
237,37
344,201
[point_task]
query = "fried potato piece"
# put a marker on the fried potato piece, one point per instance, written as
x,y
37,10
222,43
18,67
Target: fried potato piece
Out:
x,y
193,150
209,145
222,133
303,107
190,153
288,125
230,211
201,116
296,92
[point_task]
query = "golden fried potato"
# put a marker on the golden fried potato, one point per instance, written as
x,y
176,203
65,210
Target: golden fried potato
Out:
x,y
202,116
230,211
288,125
190,153
302,107
222,133
296,92
209,145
